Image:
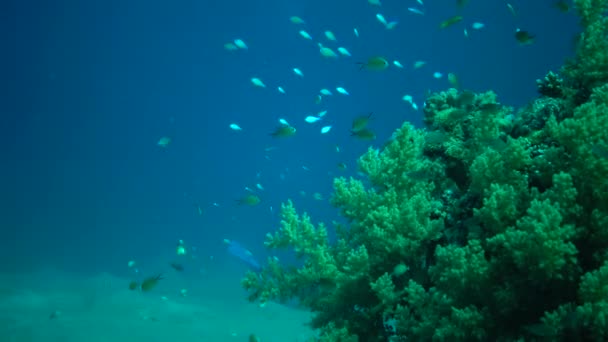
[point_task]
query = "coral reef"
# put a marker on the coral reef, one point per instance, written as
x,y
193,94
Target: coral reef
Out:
x,y
488,225
551,85
590,67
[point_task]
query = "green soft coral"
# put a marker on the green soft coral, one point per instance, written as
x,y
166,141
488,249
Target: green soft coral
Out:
x,y
499,208
589,320
593,314
480,227
590,68
461,272
581,135
539,244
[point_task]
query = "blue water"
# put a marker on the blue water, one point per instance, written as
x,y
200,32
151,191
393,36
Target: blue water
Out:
x,y
90,87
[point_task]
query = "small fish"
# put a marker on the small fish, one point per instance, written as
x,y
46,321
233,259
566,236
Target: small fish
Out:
x,y
327,52
298,72
374,2
381,19
330,35
453,79
376,63
235,127
249,199
450,21
342,166
415,10
325,92
342,91
133,285
283,122
230,47
296,20
344,52
164,142
283,131
511,9
240,44
524,37
281,90
325,129
181,248
477,25
258,82
437,75
317,196
305,35
364,134
254,338
398,64
150,282
177,266
356,32
408,98
240,252
312,119
419,64
562,6
359,123
391,25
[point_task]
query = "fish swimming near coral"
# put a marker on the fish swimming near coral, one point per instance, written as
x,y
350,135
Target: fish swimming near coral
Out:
x,y
283,131
363,134
147,284
177,266
360,122
242,253
524,37
250,200
376,63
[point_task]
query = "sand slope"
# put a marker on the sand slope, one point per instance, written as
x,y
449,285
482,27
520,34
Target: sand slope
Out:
x,y
101,308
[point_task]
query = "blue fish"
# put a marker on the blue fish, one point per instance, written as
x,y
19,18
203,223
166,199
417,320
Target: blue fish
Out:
x,y
242,253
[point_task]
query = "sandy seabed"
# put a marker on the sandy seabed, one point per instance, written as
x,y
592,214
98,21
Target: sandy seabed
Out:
x,y
53,306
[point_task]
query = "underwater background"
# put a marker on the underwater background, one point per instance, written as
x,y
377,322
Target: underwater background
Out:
x,y
92,89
